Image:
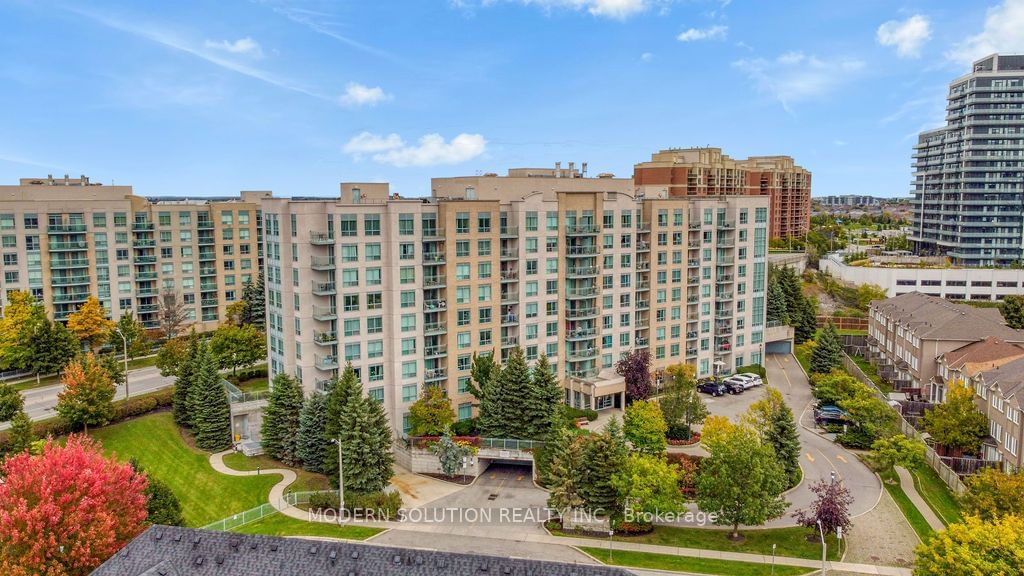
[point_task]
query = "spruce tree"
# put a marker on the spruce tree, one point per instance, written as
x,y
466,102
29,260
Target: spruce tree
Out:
x,y
21,437
482,373
776,309
280,431
540,400
313,440
181,401
828,351
365,445
789,282
601,459
806,322
564,477
342,392
253,295
504,416
211,423
783,436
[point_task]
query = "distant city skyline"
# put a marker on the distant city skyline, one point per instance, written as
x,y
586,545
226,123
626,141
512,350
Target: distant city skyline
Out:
x,y
297,96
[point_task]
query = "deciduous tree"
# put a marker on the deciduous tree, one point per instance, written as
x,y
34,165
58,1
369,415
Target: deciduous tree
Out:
x,y
871,414
174,354
313,440
742,482
1013,310
87,398
956,424
992,494
52,346
644,427
90,324
648,484
280,428
22,315
135,334
67,510
238,346
974,547
11,401
171,313
828,353
681,405
635,368
831,507
897,450
431,414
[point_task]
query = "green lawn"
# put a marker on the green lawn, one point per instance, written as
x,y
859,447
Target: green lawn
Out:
x,y
205,495
914,517
790,542
689,564
281,525
872,373
304,481
938,496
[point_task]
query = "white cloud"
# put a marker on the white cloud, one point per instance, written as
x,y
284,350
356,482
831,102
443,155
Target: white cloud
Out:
x,y
246,46
357,94
614,9
618,9
712,33
907,36
430,150
794,76
1003,33
647,57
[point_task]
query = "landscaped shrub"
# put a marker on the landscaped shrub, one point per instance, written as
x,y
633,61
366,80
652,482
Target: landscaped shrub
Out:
x,y
574,413
381,505
466,427
632,528
689,467
754,369
856,438
678,431
323,501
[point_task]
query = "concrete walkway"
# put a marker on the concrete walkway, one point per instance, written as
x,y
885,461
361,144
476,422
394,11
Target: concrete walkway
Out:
x,y
276,492
907,484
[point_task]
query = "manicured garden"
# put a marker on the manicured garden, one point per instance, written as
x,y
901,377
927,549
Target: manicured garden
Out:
x,y
791,542
689,564
278,524
205,495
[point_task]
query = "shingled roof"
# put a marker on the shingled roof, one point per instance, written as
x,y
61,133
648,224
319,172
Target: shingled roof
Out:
x,y
174,551
933,318
1008,379
983,354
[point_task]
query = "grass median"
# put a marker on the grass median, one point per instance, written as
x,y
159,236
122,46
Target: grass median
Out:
x,y
917,521
689,564
278,524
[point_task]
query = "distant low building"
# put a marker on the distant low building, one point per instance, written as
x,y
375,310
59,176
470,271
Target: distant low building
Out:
x,y
849,200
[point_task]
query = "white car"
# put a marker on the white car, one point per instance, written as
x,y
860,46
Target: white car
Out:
x,y
755,377
742,380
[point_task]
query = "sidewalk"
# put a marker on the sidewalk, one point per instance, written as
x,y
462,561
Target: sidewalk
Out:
x,y
907,484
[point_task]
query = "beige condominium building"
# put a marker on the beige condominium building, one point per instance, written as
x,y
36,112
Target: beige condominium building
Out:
x,y
65,239
580,269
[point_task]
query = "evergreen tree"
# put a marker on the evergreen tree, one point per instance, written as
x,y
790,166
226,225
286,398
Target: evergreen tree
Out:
x,y
21,437
540,400
806,323
501,415
481,373
601,460
365,446
11,401
341,393
776,310
255,303
280,430
449,454
564,478
183,384
789,282
784,438
313,440
828,353
211,423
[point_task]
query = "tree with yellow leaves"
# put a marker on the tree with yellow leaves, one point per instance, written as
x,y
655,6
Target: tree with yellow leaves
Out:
x,y
974,547
22,315
88,393
90,323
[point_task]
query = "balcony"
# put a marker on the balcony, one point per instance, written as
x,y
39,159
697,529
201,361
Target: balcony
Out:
x,y
693,263
640,342
581,251
726,244
693,280
435,328
325,313
641,324
142,226
144,260
69,280
510,298
692,299
643,266
144,243
431,234
322,263
510,276
723,297
435,351
65,228
578,313
509,231
204,224
435,305
207,255
581,334
207,270
583,373
509,254
147,292
205,240
324,288
582,354
642,246
509,341
724,260
76,297
580,293
723,314
726,224
325,362
69,263
723,330
510,319
691,352
643,304
325,338
67,246
582,230
643,227
208,302
694,226
724,279
435,375
321,238
433,257
691,335
582,272
148,308
433,281
207,286
145,275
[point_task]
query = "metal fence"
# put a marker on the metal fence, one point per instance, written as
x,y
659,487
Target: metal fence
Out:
x,y
510,444
236,395
242,518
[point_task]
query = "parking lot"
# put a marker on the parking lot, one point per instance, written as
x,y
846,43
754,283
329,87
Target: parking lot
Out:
x,y
733,406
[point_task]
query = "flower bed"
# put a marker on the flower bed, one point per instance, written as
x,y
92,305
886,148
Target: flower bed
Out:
x,y
693,440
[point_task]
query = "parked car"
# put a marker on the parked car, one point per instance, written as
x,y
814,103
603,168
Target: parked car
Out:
x,y
733,387
712,387
758,381
830,414
741,380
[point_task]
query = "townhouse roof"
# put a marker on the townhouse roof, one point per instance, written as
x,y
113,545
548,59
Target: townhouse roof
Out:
x,y
933,318
983,355
1008,379
175,551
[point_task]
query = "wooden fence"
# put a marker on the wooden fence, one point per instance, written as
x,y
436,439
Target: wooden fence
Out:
x,y
947,474
844,322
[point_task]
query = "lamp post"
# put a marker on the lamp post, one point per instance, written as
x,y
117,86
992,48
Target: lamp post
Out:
x,y
125,341
823,548
341,476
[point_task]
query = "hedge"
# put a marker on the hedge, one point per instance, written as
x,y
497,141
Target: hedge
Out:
x,y
575,413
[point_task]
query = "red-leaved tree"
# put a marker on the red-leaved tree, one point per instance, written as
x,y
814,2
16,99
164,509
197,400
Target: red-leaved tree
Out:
x,y
635,368
831,508
64,512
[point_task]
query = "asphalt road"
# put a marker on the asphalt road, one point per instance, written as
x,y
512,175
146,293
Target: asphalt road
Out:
x,y
40,402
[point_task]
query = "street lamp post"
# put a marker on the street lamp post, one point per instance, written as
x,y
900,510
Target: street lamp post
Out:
x,y
823,548
125,341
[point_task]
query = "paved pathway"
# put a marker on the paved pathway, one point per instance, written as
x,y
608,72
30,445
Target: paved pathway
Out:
x,y
882,536
276,492
907,483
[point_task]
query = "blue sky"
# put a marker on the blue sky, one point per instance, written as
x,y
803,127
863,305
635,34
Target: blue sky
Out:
x,y
208,98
